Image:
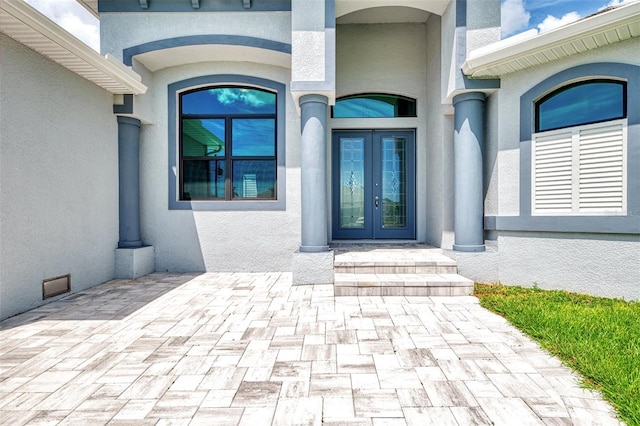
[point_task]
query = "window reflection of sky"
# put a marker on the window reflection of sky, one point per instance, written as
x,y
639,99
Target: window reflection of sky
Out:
x,y
229,100
254,137
586,103
374,105
362,107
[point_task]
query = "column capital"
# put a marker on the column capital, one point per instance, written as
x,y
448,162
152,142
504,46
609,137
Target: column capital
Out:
x,y
469,96
313,98
123,119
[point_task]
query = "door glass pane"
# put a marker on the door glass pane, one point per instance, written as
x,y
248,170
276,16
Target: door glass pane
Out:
x,y
394,182
352,183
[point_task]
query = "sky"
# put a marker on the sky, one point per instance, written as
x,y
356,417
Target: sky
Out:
x,y
517,15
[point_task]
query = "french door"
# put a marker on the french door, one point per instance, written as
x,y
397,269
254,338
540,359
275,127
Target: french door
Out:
x,y
373,184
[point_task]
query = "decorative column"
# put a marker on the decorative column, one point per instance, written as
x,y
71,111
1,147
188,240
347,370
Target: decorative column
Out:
x,y
313,166
468,174
132,260
129,172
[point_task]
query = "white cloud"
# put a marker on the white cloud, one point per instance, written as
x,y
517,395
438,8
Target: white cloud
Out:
x,y
73,18
551,22
617,3
514,17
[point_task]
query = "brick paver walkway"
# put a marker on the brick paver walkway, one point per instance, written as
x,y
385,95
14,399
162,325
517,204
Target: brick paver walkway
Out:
x,y
251,349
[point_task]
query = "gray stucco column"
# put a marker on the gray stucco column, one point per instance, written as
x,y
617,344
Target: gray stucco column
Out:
x,y
468,193
313,164
129,173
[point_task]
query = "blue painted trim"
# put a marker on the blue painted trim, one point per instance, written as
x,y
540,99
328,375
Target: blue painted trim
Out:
x,y
187,6
566,224
174,90
629,224
461,13
329,13
234,40
480,83
126,107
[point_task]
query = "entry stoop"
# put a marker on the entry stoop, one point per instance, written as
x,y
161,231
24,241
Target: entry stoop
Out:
x,y
396,270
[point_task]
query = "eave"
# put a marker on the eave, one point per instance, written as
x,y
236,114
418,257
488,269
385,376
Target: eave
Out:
x,y
518,53
29,27
91,6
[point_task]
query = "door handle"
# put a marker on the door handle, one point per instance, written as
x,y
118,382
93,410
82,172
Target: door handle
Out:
x,y
377,201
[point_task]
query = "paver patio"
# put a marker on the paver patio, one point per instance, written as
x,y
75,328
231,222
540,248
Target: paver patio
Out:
x,y
251,349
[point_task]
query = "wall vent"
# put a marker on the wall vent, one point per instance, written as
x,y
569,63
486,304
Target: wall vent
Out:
x,y
55,286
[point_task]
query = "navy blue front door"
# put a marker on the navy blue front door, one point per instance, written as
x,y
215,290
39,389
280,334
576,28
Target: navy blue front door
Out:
x,y
373,184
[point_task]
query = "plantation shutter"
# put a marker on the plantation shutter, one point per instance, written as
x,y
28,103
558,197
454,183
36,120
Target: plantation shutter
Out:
x,y
580,170
602,168
552,172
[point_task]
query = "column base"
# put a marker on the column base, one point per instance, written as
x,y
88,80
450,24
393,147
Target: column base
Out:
x,y
468,247
312,268
313,249
132,263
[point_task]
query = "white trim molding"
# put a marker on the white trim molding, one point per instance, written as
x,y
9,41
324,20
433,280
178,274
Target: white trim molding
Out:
x,y
531,49
29,27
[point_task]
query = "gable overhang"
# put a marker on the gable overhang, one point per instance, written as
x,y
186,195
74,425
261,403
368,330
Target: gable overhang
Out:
x,y
29,27
531,49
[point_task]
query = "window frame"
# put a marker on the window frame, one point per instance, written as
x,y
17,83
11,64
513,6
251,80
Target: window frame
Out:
x,y
370,95
229,158
175,90
559,90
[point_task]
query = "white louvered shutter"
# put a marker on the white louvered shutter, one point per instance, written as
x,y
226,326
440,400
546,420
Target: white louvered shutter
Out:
x,y
602,170
552,173
580,170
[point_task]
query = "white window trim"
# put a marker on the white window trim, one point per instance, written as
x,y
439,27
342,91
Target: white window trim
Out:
x,y
567,194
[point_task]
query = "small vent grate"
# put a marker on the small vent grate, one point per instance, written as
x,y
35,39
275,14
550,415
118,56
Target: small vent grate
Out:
x,y
55,286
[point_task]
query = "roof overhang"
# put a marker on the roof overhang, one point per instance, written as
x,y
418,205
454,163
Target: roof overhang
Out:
x,y
29,27
520,52
91,6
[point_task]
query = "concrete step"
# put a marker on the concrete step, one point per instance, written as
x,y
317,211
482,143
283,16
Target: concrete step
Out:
x,y
396,270
351,284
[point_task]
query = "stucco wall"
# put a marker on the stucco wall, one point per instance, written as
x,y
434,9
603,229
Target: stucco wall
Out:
x,y
121,30
186,240
389,58
515,85
596,263
58,178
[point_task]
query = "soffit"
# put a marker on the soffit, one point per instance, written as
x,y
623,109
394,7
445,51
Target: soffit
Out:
x,y
29,27
344,7
519,53
385,15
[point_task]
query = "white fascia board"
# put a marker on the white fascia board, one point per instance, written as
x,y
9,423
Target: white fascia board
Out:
x,y
512,48
91,6
56,34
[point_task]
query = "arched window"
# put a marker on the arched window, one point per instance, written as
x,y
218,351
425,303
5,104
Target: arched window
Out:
x,y
227,143
579,149
372,105
581,103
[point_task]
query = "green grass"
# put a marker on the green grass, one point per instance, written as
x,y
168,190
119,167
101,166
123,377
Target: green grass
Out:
x,y
597,337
